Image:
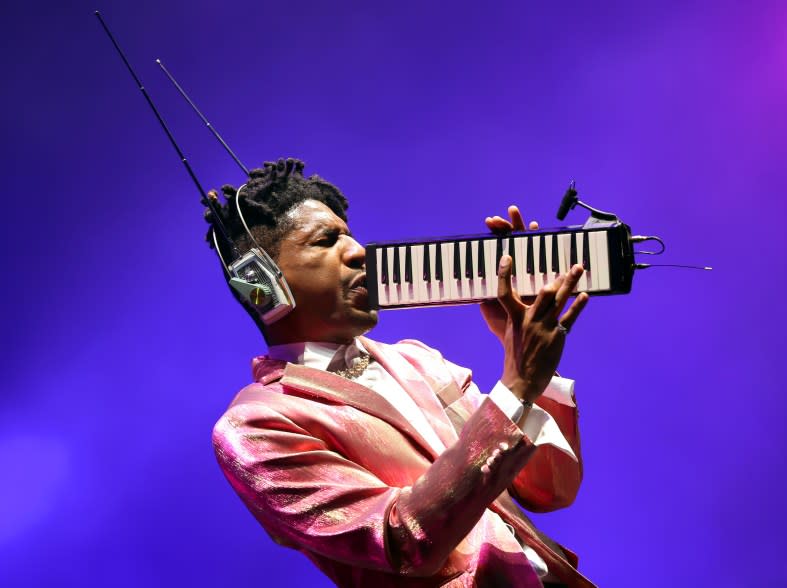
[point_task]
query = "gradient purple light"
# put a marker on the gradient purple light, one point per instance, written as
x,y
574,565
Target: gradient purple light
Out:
x,y
122,346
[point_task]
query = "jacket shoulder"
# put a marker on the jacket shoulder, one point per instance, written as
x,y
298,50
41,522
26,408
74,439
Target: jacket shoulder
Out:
x,y
431,363
415,348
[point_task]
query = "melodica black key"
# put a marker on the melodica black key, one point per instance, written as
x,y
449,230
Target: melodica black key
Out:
x,y
384,268
573,255
498,253
606,248
468,260
438,262
586,250
408,265
530,264
512,253
481,264
396,275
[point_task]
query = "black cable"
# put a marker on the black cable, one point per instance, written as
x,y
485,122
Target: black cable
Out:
x,y
643,238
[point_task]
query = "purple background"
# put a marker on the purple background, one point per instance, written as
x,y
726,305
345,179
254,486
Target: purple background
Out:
x,y
122,346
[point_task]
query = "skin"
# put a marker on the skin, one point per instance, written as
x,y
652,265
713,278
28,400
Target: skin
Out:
x,y
528,330
324,267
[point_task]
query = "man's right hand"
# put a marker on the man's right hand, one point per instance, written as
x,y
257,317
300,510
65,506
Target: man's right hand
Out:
x,y
534,335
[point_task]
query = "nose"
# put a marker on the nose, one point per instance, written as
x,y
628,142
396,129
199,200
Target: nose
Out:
x,y
354,253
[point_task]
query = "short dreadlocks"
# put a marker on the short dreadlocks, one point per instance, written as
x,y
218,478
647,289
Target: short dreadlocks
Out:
x,y
271,192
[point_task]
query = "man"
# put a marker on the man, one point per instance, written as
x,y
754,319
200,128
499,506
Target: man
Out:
x,y
384,464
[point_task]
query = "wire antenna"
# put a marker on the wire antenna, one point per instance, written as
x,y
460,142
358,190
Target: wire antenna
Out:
x,y
202,117
205,198
647,265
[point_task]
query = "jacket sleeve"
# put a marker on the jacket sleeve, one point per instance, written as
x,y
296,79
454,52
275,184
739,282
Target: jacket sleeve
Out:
x,y
310,497
550,479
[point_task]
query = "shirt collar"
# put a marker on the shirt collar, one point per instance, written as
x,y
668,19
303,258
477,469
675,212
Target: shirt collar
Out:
x,y
311,354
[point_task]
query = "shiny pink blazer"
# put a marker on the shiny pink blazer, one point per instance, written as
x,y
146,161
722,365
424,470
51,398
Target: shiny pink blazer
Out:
x,y
330,468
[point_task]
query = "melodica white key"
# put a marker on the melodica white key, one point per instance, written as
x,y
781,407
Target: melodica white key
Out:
x,y
583,258
519,277
416,273
440,271
601,270
535,241
564,247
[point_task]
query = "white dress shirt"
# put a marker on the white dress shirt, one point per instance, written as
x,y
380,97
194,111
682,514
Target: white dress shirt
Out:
x,y
539,426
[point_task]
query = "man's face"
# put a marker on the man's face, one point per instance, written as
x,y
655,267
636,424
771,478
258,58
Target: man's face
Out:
x,y
324,267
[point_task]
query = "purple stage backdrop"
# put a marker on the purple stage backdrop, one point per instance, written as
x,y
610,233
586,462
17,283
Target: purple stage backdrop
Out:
x,y
122,345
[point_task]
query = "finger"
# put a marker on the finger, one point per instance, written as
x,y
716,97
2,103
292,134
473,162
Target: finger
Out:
x,y
570,316
533,225
545,300
505,293
517,222
564,292
498,225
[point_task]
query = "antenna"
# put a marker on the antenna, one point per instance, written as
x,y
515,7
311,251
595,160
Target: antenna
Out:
x,y
206,199
254,276
647,265
202,117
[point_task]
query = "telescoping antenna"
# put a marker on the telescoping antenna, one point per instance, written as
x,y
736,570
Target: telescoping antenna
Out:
x,y
210,202
253,275
203,119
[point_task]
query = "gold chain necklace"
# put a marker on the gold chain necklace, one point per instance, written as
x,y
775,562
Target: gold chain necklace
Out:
x,y
356,370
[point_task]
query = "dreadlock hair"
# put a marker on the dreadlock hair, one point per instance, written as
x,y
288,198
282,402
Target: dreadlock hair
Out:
x,y
271,192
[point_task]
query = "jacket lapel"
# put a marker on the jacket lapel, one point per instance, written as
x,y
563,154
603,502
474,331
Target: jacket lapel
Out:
x,y
338,390
416,387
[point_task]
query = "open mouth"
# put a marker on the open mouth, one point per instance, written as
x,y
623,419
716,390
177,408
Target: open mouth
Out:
x,y
359,283
358,292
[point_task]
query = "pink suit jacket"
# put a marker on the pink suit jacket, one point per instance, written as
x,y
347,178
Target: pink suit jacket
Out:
x,y
330,468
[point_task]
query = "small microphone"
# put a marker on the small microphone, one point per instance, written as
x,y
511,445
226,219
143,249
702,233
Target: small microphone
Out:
x,y
569,201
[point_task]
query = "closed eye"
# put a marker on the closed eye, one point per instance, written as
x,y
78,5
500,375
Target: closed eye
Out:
x,y
328,238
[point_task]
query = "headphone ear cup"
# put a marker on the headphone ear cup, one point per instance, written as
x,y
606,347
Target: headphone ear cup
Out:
x,y
259,282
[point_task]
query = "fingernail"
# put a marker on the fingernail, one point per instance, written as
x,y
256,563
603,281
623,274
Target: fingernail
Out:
x,y
576,271
505,261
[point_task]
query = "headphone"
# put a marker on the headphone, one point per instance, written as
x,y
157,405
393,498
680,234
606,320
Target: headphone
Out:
x,y
256,277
